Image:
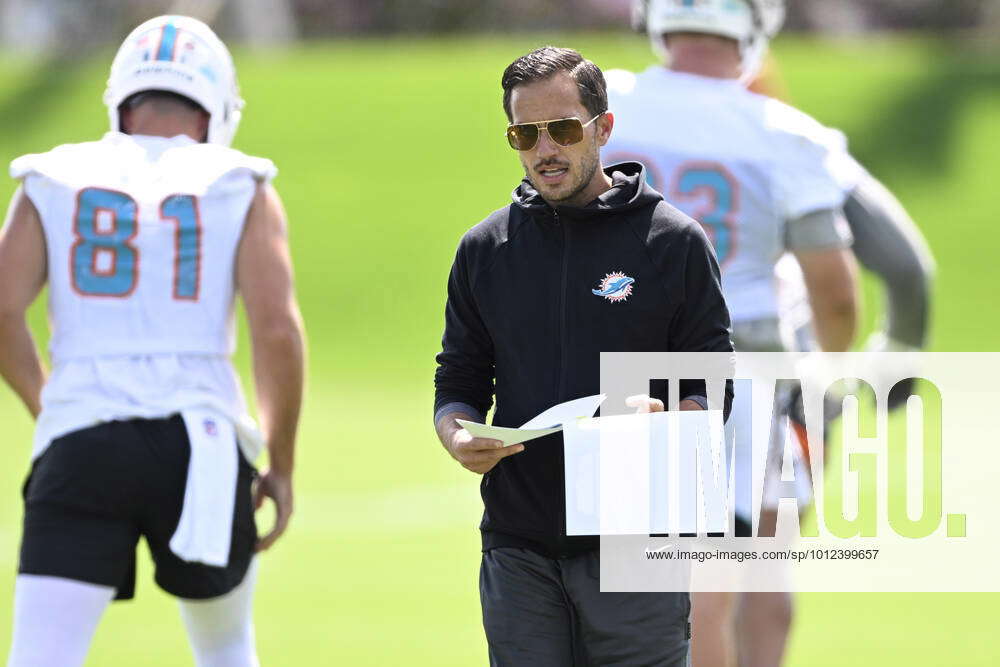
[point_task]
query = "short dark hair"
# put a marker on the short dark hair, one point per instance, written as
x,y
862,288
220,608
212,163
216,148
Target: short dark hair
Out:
x,y
548,61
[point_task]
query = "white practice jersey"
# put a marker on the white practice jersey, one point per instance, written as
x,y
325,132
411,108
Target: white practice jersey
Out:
x,y
141,235
742,164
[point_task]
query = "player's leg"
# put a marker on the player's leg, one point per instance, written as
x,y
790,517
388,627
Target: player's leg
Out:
x,y
720,634
715,597
763,620
78,545
54,620
763,623
714,602
526,616
713,640
625,628
221,629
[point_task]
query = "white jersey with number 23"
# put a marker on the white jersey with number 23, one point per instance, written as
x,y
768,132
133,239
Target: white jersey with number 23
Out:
x,y
741,164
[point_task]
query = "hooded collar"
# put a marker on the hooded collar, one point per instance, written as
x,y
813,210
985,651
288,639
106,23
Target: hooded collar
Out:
x,y
629,190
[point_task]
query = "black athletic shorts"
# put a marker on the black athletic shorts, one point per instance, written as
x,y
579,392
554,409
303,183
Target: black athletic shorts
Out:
x,y
94,492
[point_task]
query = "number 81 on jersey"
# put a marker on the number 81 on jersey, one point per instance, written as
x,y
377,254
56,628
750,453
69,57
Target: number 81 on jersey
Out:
x,y
120,273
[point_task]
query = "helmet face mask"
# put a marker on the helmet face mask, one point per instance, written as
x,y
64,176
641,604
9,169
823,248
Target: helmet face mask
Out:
x,y
751,23
180,55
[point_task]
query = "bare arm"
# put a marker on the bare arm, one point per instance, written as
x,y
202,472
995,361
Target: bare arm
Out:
x,y
265,282
23,268
831,281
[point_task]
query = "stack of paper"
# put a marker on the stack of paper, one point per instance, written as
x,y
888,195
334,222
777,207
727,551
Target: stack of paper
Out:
x,y
550,421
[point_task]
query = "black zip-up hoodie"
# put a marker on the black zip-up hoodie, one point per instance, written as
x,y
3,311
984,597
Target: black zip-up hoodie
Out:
x,y
522,312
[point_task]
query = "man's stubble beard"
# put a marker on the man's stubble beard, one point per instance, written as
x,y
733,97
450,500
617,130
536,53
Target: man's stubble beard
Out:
x,y
587,170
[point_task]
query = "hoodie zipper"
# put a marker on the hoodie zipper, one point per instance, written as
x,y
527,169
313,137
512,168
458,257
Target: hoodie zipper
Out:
x,y
563,334
561,388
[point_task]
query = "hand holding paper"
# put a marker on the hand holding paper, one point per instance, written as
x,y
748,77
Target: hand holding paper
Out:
x,y
478,455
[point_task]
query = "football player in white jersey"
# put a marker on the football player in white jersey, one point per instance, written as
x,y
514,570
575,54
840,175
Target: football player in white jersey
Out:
x,y
764,180
144,238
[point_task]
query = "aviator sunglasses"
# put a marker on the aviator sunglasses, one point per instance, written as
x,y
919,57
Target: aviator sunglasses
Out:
x,y
565,132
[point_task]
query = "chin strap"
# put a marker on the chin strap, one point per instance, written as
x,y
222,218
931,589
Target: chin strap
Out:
x,y
753,59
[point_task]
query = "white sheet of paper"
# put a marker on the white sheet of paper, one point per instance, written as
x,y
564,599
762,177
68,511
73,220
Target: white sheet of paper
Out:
x,y
509,436
642,474
564,413
550,421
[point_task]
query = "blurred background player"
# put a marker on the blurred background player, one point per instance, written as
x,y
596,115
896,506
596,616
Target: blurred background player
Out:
x,y
144,237
765,180
886,242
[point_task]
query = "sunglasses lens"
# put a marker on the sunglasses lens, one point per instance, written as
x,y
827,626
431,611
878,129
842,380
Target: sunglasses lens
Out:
x,y
522,137
566,132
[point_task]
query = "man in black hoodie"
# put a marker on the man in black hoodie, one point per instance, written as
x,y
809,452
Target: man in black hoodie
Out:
x,y
585,260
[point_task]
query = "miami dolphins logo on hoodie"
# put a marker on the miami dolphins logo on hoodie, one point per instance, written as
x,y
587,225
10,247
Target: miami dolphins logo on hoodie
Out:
x,y
615,287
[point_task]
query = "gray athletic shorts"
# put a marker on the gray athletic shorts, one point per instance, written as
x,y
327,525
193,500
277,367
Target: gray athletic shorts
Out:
x,y
546,612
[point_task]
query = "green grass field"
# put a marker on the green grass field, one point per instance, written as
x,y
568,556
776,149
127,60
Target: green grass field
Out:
x,y
388,151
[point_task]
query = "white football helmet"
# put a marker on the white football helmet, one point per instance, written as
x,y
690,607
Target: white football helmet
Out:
x,y
181,55
750,22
